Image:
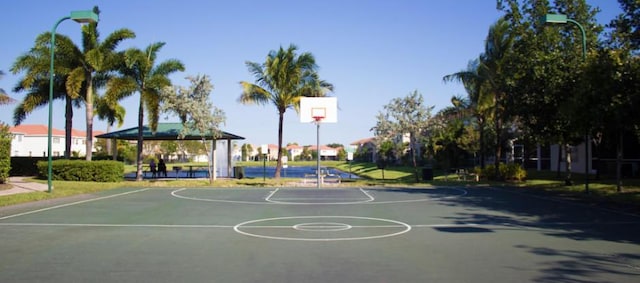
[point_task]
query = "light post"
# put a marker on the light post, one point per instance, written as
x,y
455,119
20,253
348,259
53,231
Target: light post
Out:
x,y
80,17
562,19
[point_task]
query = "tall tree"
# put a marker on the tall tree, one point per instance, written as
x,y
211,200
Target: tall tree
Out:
x,y
196,112
140,74
614,70
4,97
478,102
405,116
546,96
35,82
79,72
498,45
94,64
281,80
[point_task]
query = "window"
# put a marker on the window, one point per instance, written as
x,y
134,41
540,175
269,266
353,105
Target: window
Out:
x,y
56,140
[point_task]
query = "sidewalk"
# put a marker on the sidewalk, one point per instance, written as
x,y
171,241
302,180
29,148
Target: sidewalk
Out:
x,y
20,186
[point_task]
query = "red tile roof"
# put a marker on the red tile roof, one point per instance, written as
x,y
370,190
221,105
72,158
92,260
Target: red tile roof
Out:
x,y
42,130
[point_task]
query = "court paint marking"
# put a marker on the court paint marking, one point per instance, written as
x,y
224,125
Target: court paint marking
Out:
x,y
115,225
370,200
463,192
345,201
322,226
70,204
401,225
539,226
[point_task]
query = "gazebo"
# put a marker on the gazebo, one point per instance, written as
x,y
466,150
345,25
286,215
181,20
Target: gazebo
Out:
x,y
171,131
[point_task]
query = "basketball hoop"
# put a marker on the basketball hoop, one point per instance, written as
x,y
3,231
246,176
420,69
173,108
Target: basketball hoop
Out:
x,y
318,113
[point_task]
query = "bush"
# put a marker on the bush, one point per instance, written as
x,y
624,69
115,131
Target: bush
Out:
x,y
5,153
81,170
511,172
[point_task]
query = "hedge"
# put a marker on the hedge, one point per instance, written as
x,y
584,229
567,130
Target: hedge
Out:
x,y
5,158
82,170
511,171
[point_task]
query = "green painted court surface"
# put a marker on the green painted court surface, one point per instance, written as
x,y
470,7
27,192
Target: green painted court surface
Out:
x,y
317,235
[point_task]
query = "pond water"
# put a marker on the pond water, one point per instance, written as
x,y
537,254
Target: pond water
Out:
x,y
293,172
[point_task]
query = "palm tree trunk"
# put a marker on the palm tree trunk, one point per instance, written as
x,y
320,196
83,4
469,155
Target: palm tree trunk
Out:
x,y
140,140
68,126
108,144
619,155
279,164
498,148
89,105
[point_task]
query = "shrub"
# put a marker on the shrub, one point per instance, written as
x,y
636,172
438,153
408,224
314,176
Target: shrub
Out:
x,y
511,172
25,166
81,170
5,153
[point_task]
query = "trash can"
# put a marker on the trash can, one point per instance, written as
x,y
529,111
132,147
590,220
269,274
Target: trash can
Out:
x,y
238,172
427,173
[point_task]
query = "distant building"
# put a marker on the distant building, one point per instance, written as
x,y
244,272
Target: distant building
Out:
x,y
365,150
32,141
326,153
295,151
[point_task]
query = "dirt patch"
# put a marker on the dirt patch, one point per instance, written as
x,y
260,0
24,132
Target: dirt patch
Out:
x,y
5,187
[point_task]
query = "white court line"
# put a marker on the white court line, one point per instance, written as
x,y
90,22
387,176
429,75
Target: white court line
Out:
x,y
115,225
346,201
486,225
70,204
371,200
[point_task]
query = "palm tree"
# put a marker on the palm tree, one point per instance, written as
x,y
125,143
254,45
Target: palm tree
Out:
x,y
95,61
498,44
139,73
112,112
485,84
35,83
479,102
4,97
282,80
79,72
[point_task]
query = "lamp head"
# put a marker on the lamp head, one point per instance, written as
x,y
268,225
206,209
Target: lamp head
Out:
x,y
554,18
85,16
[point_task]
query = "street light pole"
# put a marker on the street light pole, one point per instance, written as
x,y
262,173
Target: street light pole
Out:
x,y
80,17
562,19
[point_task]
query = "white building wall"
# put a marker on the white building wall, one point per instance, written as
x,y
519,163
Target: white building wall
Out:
x,y
37,146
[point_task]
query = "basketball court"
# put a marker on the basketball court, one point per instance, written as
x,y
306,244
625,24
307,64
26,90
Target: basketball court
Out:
x,y
440,234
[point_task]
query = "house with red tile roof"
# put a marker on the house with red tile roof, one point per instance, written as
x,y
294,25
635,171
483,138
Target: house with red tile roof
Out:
x,y
366,149
326,153
295,151
32,140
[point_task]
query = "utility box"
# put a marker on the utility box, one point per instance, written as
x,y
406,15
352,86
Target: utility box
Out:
x,y
238,172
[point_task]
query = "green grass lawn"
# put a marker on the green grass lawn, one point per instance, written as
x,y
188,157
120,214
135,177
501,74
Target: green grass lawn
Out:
x,y
603,189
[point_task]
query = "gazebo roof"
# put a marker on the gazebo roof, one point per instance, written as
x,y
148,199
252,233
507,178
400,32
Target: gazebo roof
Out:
x,y
165,131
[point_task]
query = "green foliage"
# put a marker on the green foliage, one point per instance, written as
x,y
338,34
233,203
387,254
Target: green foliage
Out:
x,y
406,116
282,80
25,166
5,152
81,170
511,172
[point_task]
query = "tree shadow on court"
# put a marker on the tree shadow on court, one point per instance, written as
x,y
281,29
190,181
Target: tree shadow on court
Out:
x,y
554,217
580,266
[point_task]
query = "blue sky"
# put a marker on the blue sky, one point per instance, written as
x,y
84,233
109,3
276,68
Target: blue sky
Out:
x,y
372,51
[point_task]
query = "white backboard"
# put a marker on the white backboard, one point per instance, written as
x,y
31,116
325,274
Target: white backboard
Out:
x,y
325,107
